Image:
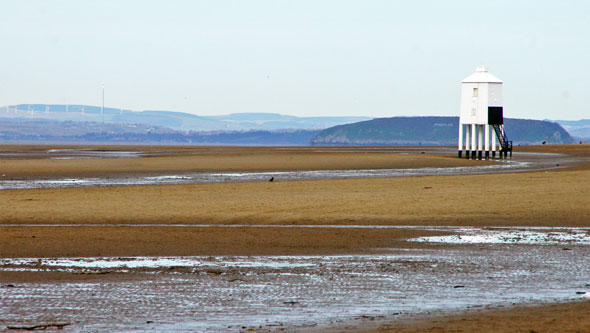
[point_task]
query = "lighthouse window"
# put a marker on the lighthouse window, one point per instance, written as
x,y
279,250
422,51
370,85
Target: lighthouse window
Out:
x,y
475,92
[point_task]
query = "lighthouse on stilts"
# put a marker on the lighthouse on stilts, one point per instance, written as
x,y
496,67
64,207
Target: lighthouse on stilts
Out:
x,y
482,113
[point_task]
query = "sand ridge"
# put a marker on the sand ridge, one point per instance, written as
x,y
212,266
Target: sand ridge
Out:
x,y
540,198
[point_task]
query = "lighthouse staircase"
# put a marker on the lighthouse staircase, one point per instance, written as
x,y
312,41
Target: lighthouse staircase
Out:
x,y
503,140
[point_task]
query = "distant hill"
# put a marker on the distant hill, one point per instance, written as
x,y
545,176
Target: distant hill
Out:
x,y
40,130
175,120
433,131
270,121
579,129
61,123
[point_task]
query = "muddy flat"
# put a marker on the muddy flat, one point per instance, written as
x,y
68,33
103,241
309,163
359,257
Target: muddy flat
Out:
x,y
260,218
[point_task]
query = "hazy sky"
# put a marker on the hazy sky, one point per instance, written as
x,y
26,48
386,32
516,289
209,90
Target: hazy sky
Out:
x,y
305,58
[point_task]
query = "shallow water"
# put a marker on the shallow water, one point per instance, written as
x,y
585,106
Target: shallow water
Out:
x,y
223,177
297,292
71,154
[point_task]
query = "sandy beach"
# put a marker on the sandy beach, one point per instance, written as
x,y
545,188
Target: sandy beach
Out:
x,y
152,220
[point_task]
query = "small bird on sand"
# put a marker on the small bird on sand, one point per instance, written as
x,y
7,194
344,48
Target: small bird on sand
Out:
x,y
271,179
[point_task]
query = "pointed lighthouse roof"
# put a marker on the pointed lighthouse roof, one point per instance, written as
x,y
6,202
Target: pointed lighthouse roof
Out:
x,y
481,75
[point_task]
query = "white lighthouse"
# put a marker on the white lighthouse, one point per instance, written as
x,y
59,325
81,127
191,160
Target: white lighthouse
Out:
x,y
482,116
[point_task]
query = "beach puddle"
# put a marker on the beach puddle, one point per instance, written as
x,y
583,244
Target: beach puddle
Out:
x,y
218,293
91,153
532,236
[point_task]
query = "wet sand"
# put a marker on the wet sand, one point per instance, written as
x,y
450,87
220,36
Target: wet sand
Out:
x,y
293,293
546,198
49,242
565,317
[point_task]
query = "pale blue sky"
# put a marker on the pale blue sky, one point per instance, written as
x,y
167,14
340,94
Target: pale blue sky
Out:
x,y
305,58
